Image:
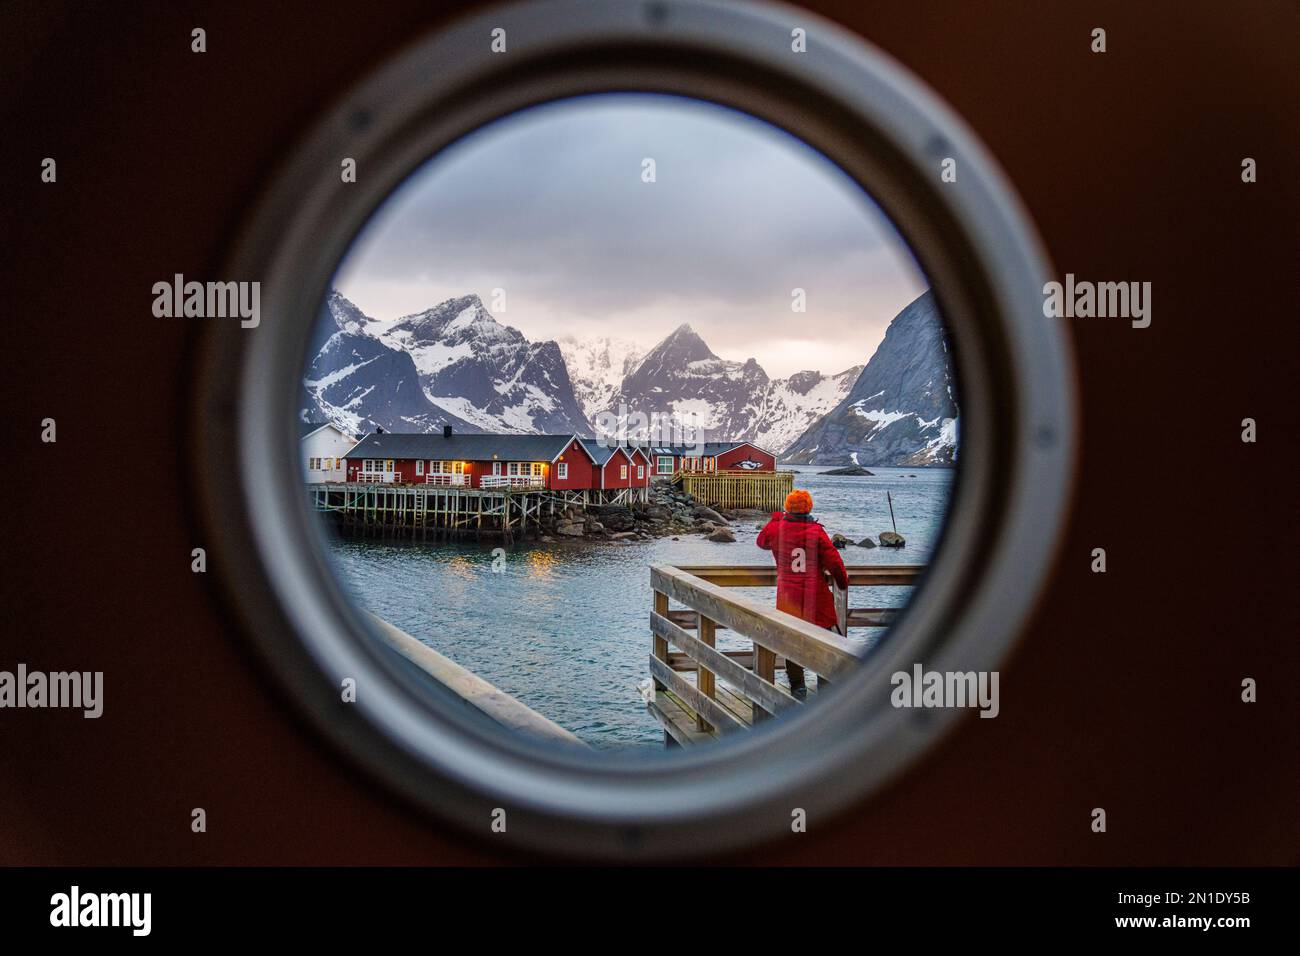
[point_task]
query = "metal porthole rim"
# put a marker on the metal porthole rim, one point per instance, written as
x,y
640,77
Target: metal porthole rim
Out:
x,y
1014,371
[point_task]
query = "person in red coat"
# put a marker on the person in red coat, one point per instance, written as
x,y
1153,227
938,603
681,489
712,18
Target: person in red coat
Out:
x,y
802,552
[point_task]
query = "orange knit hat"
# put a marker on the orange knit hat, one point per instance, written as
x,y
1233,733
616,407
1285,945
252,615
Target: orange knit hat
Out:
x,y
798,502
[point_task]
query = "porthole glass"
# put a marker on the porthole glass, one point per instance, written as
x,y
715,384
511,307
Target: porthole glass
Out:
x,y
619,350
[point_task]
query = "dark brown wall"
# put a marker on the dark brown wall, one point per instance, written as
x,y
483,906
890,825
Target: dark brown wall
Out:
x,y
1125,692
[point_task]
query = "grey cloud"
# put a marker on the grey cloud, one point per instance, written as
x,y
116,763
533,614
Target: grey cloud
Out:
x,y
550,205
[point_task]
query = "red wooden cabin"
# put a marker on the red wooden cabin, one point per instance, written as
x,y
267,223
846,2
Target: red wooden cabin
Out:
x,y
620,466
553,462
709,456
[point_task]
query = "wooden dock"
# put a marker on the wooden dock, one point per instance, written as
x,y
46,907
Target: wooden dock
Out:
x,y
765,490
432,510
701,692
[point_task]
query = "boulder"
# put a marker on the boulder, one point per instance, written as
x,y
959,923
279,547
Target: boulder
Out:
x,y
703,511
866,543
572,529
839,541
594,527
623,535
722,535
619,520
891,539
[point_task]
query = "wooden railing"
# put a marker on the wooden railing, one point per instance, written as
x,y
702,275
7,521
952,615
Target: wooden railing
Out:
x,y
474,690
735,689
376,477
511,481
443,479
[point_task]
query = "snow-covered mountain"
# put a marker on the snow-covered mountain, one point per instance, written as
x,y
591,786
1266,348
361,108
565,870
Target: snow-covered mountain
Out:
x,y
359,383
456,364
452,364
793,404
487,373
902,409
597,368
347,316
699,395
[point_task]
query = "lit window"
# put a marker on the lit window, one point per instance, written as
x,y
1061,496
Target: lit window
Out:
x,y
622,472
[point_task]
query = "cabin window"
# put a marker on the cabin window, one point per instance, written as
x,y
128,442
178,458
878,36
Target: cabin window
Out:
x,y
665,464
496,467
640,471
622,472
562,470
419,467
537,469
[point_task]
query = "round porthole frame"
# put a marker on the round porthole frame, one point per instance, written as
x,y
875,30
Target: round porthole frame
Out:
x,y
1014,372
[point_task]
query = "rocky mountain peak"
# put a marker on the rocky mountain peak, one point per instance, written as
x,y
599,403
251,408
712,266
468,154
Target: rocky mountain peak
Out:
x,y
902,409
682,345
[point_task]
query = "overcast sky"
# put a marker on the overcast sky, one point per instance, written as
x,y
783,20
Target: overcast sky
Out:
x,y
550,206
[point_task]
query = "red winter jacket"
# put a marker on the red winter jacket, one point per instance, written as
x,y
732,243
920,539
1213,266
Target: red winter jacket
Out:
x,y
803,593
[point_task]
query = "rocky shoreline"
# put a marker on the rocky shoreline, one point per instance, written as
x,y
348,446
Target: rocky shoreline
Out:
x,y
670,513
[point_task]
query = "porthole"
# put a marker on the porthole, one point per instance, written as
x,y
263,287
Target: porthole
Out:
x,y
878,126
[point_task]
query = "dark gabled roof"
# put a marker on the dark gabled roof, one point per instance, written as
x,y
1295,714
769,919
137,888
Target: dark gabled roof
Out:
x,y
462,447
307,428
603,453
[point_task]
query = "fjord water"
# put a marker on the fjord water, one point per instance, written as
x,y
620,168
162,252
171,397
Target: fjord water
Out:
x,y
564,627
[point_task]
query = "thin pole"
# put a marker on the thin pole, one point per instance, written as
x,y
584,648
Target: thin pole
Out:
x,y
891,512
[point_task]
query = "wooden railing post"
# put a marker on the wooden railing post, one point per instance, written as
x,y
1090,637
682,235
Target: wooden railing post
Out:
x,y
704,679
841,608
764,667
659,644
